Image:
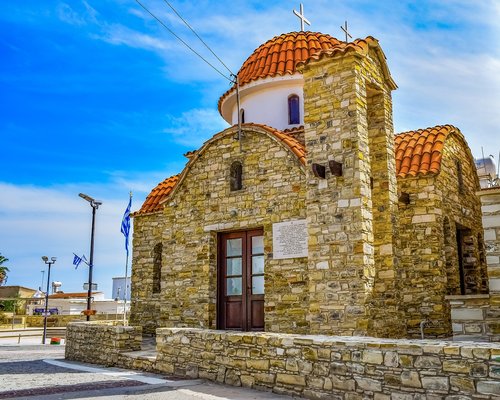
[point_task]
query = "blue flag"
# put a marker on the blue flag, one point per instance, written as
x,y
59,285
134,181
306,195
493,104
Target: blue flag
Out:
x,y
126,223
77,260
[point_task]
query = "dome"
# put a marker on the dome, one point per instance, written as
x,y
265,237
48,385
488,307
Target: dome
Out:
x,y
280,55
268,79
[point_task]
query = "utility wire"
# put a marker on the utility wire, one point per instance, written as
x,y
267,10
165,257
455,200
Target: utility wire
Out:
x,y
198,36
183,42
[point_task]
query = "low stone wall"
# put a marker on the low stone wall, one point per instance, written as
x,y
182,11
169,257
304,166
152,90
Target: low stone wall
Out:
x,y
328,367
476,317
34,321
101,343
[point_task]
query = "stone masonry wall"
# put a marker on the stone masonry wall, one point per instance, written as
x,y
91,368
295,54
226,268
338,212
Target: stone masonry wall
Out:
x,y
203,205
490,199
479,315
334,368
100,343
473,317
145,305
462,207
429,255
348,119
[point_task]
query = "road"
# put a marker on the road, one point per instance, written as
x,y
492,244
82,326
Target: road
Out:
x,y
32,371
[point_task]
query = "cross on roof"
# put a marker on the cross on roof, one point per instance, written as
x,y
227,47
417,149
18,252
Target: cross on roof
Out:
x,y
302,17
347,34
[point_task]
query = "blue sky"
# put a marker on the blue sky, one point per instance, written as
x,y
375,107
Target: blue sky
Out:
x,y
96,97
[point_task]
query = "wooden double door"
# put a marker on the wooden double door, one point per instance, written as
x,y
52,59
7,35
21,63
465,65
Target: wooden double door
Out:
x,y
241,281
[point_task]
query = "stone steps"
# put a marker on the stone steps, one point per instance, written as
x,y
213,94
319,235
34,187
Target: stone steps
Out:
x,y
144,359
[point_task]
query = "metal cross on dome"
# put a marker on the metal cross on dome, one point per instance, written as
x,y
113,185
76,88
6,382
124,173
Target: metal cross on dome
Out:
x,y
347,34
302,17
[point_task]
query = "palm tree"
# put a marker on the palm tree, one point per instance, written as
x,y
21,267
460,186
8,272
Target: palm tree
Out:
x,y
3,270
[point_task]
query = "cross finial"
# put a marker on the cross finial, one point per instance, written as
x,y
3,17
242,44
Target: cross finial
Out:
x,y
347,34
302,17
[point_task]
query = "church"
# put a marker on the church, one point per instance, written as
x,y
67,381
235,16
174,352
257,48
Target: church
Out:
x,y
309,214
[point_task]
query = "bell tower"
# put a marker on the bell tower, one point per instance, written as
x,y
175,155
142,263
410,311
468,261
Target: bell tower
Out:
x,y
351,198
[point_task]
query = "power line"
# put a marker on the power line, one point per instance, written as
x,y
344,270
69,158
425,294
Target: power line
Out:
x,y
198,36
183,42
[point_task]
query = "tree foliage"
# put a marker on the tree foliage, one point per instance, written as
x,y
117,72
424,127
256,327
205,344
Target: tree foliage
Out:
x,y
3,270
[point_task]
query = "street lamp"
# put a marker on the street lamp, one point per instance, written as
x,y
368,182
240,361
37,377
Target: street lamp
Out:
x,y
95,205
46,261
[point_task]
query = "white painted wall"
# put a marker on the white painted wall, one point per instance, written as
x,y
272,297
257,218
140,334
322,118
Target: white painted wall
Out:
x,y
76,306
265,101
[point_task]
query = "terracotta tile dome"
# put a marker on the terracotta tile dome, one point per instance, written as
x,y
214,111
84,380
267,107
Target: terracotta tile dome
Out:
x,y
280,55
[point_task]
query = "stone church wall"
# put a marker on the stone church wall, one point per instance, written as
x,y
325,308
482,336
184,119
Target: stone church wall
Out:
x,y
353,217
145,304
429,256
203,204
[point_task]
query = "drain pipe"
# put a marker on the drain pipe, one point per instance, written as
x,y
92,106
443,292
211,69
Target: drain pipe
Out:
x,y
422,324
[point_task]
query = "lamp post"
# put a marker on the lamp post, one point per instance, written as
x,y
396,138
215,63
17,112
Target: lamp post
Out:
x,y
49,263
95,205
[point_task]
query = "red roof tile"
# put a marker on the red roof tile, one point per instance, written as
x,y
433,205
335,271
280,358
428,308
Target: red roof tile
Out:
x,y
420,152
77,295
160,192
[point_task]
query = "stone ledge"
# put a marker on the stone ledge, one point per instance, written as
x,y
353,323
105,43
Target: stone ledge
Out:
x,y
467,296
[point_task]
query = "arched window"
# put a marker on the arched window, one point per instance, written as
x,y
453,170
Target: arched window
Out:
x,y
242,116
158,249
236,176
293,109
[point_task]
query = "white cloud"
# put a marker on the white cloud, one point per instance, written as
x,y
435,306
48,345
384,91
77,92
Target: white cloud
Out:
x,y
120,35
54,221
195,126
84,16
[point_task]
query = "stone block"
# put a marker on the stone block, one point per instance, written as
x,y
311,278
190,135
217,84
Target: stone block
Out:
x,y
456,366
343,384
462,384
370,384
262,365
428,362
391,359
410,379
488,387
467,314
372,357
439,383
247,381
495,285
294,380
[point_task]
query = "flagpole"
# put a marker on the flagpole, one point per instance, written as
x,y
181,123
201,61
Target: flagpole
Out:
x,y
126,276
125,295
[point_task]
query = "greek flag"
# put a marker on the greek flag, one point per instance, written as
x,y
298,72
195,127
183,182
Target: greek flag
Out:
x,y
126,223
77,260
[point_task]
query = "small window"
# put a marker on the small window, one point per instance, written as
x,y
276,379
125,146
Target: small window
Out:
x,y
460,177
293,110
242,116
158,249
236,176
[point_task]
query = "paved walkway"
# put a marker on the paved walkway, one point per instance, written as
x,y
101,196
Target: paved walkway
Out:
x,y
32,371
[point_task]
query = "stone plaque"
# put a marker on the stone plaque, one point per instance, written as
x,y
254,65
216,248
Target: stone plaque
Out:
x,y
290,239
